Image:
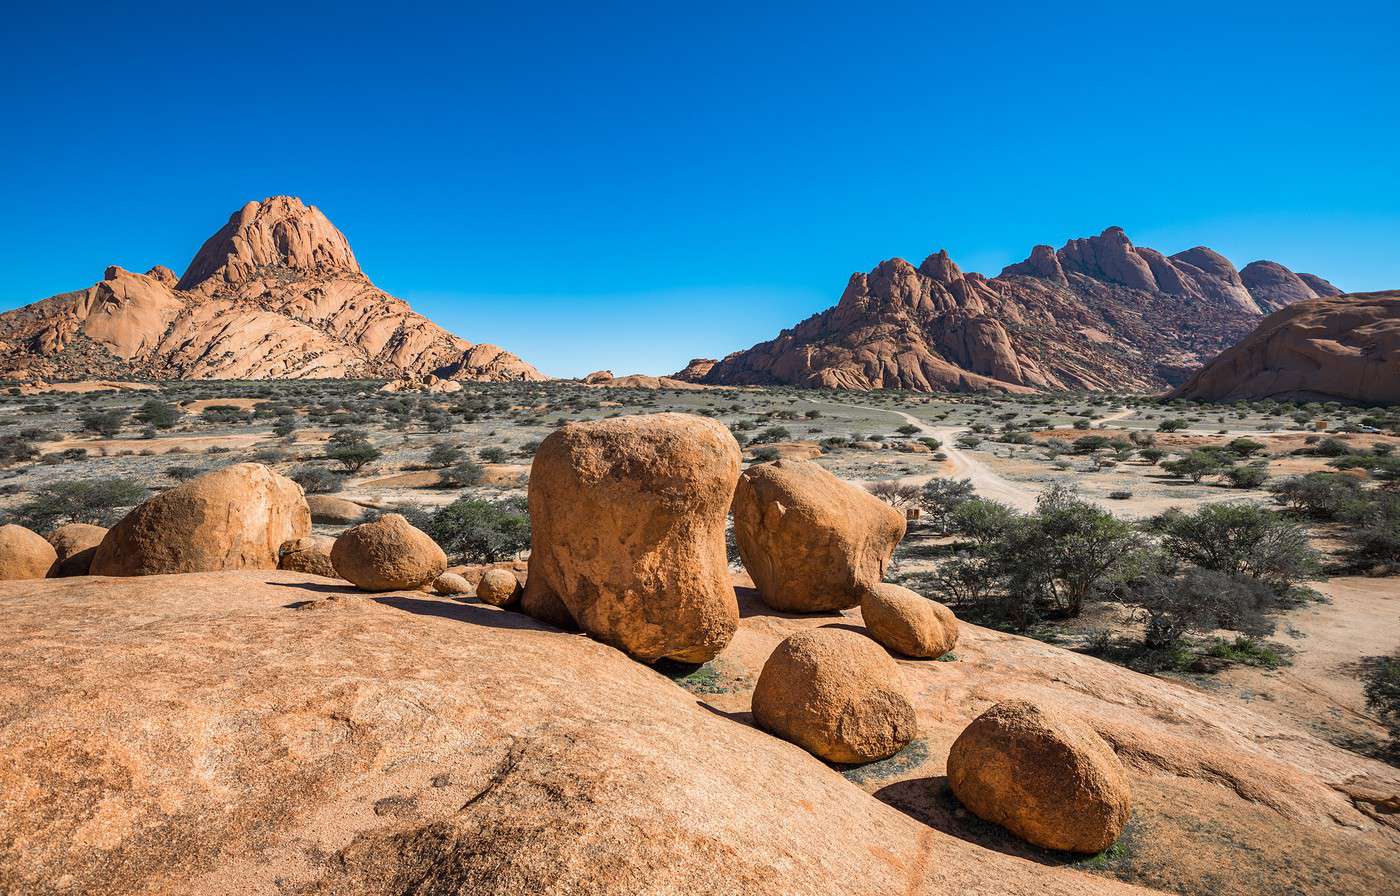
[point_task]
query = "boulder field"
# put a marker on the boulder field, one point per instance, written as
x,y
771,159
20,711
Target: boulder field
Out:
x,y
272,732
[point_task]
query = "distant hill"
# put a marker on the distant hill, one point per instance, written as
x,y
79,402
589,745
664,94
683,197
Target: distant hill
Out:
x,y
275,293
1099,313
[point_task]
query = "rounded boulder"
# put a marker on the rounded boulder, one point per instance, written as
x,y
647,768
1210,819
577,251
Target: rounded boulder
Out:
x,y
1042,774
811,542
907,622
311,554
235,518
333,510
24,554
498,587
388,554
76,545
452,584
836,694
627,523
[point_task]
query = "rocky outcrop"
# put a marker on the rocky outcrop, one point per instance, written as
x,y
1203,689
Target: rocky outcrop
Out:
x,y
1273,286
811,541
627,521
24,554
836,694
907,622
1044,775
388,554
276,293
695,371
309,554
235,518
1100,313
1342,348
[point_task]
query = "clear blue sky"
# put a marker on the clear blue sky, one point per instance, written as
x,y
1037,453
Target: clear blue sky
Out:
x,y
630,186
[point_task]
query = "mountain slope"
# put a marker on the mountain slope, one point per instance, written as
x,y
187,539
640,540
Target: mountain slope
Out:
x,y
1344,348
1099,313
275,293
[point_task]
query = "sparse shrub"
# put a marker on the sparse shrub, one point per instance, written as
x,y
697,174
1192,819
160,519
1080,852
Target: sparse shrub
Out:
x,y
1174,424
104,423
94,501
225,414
317,480
181,473
444,455
894,492
1241,539
493,455
1248,476
17,448
766,454
1120,495
462,474
158,414
1195,465
908,429
1381,677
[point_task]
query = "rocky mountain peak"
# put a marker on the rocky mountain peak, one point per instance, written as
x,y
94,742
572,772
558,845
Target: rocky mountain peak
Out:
x,y
279,233
941,268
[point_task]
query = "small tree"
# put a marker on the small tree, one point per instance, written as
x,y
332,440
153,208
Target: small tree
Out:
x,y
444,455
1152,456
894,492
462,474
1382,689
104,423
493,455
160,414
1200,600
1194,466
1248,476
940,497
909,429
1241,539
1174,424
476,531
93,501
353,457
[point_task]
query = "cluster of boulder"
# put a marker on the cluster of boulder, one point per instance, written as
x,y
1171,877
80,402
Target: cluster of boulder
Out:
x,y
628,544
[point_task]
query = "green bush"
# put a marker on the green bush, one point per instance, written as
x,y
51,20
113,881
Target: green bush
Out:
x,y
493,455
476,531
94,501
104,423
462,474
157,413
317,480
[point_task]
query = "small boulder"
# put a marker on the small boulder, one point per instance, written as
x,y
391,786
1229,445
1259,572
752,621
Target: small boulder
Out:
x,y
628,518
235,518
75,544
1042,774
334,511
836,694
811,542
388,554
907,622
498,587
451,584
24,554
311,554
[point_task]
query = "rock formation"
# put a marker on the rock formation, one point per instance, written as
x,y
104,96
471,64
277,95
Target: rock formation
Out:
x,y
451,584
811,541
1337,348
695,371
836,694
388,554
76,545
907,622
24,554
309,554
235,518
1100,313
1044,775
627,529
276,293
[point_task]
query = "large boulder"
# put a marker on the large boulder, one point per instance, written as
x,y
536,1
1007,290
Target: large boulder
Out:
x,y
810,541
628,520
309,554
907,622
1042,774
388,554
234,518
333,510
836,694
24,554
76,545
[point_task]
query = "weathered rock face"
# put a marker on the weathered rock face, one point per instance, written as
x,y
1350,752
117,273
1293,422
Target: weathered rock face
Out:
x,y
1273,286
1043,775
695,371
1100,313
276,293
1343,348
836,694
330,509
195,735
235,518
811,541
627,525
388,554
907,622
309,554
75,545
25,554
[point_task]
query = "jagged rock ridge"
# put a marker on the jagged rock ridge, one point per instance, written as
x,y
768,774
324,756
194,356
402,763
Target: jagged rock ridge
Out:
x,y
276,293
1098,313
1334,348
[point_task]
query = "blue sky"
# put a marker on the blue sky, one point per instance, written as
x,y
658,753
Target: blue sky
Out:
x,y
629,186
